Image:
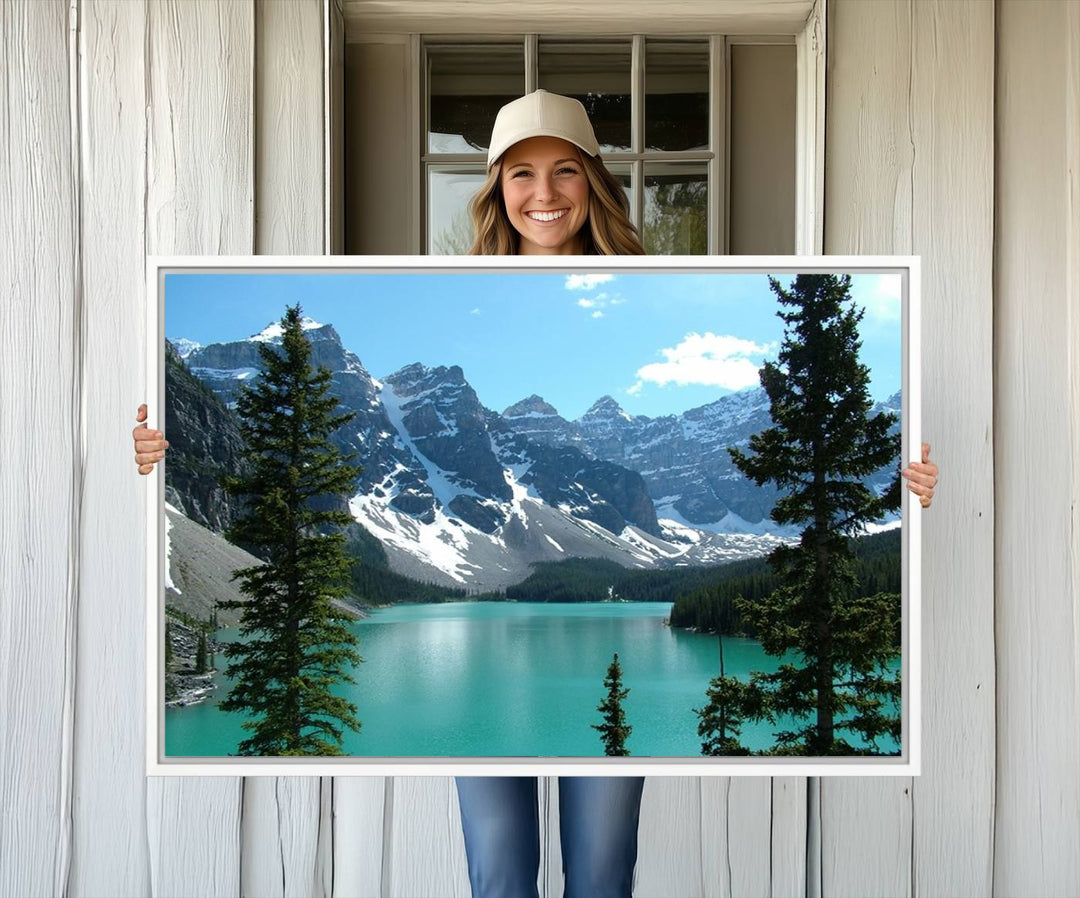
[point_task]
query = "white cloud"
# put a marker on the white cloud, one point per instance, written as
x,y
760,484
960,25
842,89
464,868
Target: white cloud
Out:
x,y
586,281
598,314
712,360
475,312
586,303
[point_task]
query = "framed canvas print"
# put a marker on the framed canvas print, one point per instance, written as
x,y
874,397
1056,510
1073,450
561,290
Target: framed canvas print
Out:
x,y
577,515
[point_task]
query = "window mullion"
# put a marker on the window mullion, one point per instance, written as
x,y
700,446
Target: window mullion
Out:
x,y
717,185
637,129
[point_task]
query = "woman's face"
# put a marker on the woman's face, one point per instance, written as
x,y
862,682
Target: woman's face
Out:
x,y
546,195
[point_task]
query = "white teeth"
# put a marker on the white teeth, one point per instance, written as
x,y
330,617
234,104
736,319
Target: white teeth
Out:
x,y
546,216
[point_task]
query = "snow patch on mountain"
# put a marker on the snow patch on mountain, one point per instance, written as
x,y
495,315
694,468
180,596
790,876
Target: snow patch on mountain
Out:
x,y
226,373
185,347
442,483
442,544
273,332
730,523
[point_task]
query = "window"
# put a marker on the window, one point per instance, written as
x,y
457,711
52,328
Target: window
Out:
x,y
660,108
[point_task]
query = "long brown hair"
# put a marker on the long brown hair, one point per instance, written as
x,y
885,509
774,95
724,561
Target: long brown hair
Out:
x,y
608,230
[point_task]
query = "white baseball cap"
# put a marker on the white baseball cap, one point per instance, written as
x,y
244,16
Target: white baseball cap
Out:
x,y
541,114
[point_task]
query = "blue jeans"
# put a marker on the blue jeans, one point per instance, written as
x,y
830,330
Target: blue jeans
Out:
x,y
598,821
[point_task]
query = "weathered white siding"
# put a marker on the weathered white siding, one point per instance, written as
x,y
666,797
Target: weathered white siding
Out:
x,y
41,453
1036,839
909,169
109,819
199,199
182,127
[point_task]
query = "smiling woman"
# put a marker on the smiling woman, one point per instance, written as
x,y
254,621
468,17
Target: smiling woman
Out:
x,y
546,195
547,190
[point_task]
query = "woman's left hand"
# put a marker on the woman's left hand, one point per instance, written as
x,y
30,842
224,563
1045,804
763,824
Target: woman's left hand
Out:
x,y
922,477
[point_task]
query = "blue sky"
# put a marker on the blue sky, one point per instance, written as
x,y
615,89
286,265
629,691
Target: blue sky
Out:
x,y
659,343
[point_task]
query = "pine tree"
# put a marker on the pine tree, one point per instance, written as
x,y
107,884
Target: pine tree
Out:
x,y
614,731
822,443
200,653
721,723
294,651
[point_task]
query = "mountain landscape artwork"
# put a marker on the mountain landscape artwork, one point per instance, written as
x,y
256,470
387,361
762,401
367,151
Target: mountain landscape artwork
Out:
x,y
546,514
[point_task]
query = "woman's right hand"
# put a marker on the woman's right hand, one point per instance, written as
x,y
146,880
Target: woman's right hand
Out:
x,y
150,445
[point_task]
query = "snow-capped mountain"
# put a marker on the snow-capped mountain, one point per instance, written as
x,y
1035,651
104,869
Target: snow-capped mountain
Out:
x,y
459,494
683,459
185,347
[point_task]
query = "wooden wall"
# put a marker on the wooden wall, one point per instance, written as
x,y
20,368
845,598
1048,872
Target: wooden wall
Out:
x,y
185,127
910,169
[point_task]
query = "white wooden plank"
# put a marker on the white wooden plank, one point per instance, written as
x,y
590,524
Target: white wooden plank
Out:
x,y
952,229
358,835
40,433
200,185
193,829
280,837
1037,821
109,814
789,828
424,851
868,210
909,169
281,817
671,839
289,127
736,836
199,200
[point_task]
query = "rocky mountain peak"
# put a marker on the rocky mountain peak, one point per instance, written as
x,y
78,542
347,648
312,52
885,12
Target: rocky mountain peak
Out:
x,y
313,330
447,382
531,406
605,407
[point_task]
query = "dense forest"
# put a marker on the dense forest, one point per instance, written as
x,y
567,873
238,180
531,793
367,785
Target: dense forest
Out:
x,y
711,607
598,580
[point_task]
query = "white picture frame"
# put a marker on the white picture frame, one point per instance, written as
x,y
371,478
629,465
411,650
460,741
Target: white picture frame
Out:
x,y
908,763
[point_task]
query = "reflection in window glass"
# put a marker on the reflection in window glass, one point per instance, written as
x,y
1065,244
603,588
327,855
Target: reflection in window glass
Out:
x,y
623,176
676,95
676,208
467,84
597,74
449,191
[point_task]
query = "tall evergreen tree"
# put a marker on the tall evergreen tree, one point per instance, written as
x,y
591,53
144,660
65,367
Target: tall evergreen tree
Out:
x,y
821,445
294,649
614,731
200,653
720,722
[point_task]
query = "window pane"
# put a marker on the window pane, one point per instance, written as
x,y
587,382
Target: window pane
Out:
x,y
597,74
449,191
467,84
623,175
676,95
676,208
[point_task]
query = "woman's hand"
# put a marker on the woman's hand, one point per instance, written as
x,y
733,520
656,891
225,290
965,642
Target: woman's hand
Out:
x,y
922,477
150,445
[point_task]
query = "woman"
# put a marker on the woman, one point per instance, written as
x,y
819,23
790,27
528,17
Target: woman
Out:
x,y
547,193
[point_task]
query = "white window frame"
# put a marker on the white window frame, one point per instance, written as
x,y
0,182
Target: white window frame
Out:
x,y
809,137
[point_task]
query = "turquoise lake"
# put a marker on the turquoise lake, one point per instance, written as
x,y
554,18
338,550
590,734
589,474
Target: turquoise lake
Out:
x,y
506,679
